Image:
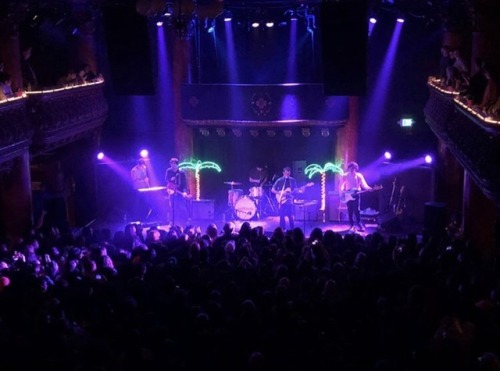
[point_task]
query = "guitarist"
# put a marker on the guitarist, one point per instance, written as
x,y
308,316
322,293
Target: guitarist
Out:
x,y
176,181
353,180
283,188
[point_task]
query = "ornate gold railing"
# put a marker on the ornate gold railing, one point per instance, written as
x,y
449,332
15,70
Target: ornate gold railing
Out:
x,y
61,116
474,140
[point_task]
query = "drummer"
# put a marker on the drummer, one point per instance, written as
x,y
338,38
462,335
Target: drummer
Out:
x,y
258,176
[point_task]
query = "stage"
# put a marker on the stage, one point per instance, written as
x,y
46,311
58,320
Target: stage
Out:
x,y
270,223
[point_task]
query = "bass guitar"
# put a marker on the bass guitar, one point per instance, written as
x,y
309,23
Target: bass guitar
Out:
x,y
352,194
287,193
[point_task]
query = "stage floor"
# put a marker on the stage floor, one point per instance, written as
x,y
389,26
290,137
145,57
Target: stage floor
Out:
x,y
270,223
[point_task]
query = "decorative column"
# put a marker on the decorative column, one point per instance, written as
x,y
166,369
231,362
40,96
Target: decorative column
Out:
x,y
347,137
16,197
479,218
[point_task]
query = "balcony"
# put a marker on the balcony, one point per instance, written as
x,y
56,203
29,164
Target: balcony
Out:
x,y
472,138
62,116
44,120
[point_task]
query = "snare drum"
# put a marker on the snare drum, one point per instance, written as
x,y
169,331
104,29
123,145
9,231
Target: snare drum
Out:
x,y
245,208
233,195
256,192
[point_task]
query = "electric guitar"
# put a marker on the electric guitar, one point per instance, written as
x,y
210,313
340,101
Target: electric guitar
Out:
x,y
287,193
400,208
171,189
352,194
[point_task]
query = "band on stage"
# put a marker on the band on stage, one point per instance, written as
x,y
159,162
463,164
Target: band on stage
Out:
x,y
262,197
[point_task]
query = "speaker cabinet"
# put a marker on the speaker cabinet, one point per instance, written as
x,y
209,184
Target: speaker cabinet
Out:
x,y
344,39
202,209
128,47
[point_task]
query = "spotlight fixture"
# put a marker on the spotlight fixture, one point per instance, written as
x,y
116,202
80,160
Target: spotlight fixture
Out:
x,y
287,133
159,23
254,133
228,16
400,20
373,20
100,156
325,133
306,132
144,153
387,155
406,122
205,132
269,24
210,25
237,132
271,133
428,159
255,24
221,132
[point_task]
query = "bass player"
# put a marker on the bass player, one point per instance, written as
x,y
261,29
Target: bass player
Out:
x,y
352,182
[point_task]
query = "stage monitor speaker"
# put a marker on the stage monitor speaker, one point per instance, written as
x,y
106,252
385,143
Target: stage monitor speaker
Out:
x,y
202,209
390,222
344,39
128,49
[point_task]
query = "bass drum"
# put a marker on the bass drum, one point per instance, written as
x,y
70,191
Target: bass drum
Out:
x,y
245,208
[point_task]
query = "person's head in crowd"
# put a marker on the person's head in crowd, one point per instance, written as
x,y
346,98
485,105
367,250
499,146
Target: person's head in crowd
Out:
x,y
212,231
26,52
228,228
4,282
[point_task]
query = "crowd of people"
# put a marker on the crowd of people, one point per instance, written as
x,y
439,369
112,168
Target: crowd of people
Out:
x,y
186,298
30,81
478,87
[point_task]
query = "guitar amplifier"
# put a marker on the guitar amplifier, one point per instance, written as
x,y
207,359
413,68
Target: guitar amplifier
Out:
x,y
202,209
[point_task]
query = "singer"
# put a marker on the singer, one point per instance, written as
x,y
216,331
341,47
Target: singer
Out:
x,y
283,188
177,193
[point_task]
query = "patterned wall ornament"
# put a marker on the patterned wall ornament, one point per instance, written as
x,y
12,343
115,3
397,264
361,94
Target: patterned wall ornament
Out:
x,y
261,103
194,101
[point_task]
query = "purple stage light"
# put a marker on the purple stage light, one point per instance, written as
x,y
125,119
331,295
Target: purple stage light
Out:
x,y
387,155
100,156
159,23
144,153
400,20
428,159
373,20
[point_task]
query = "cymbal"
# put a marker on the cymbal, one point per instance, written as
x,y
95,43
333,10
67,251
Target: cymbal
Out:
x,y
233,183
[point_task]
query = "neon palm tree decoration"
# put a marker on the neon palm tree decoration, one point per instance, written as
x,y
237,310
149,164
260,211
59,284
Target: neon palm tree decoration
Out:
x,y
197,166
313,169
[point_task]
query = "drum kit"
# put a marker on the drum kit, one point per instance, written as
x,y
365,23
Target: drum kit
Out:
x,y
256,204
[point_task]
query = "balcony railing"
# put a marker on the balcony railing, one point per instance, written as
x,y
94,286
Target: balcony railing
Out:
x,y
472,137
15,129
60,116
